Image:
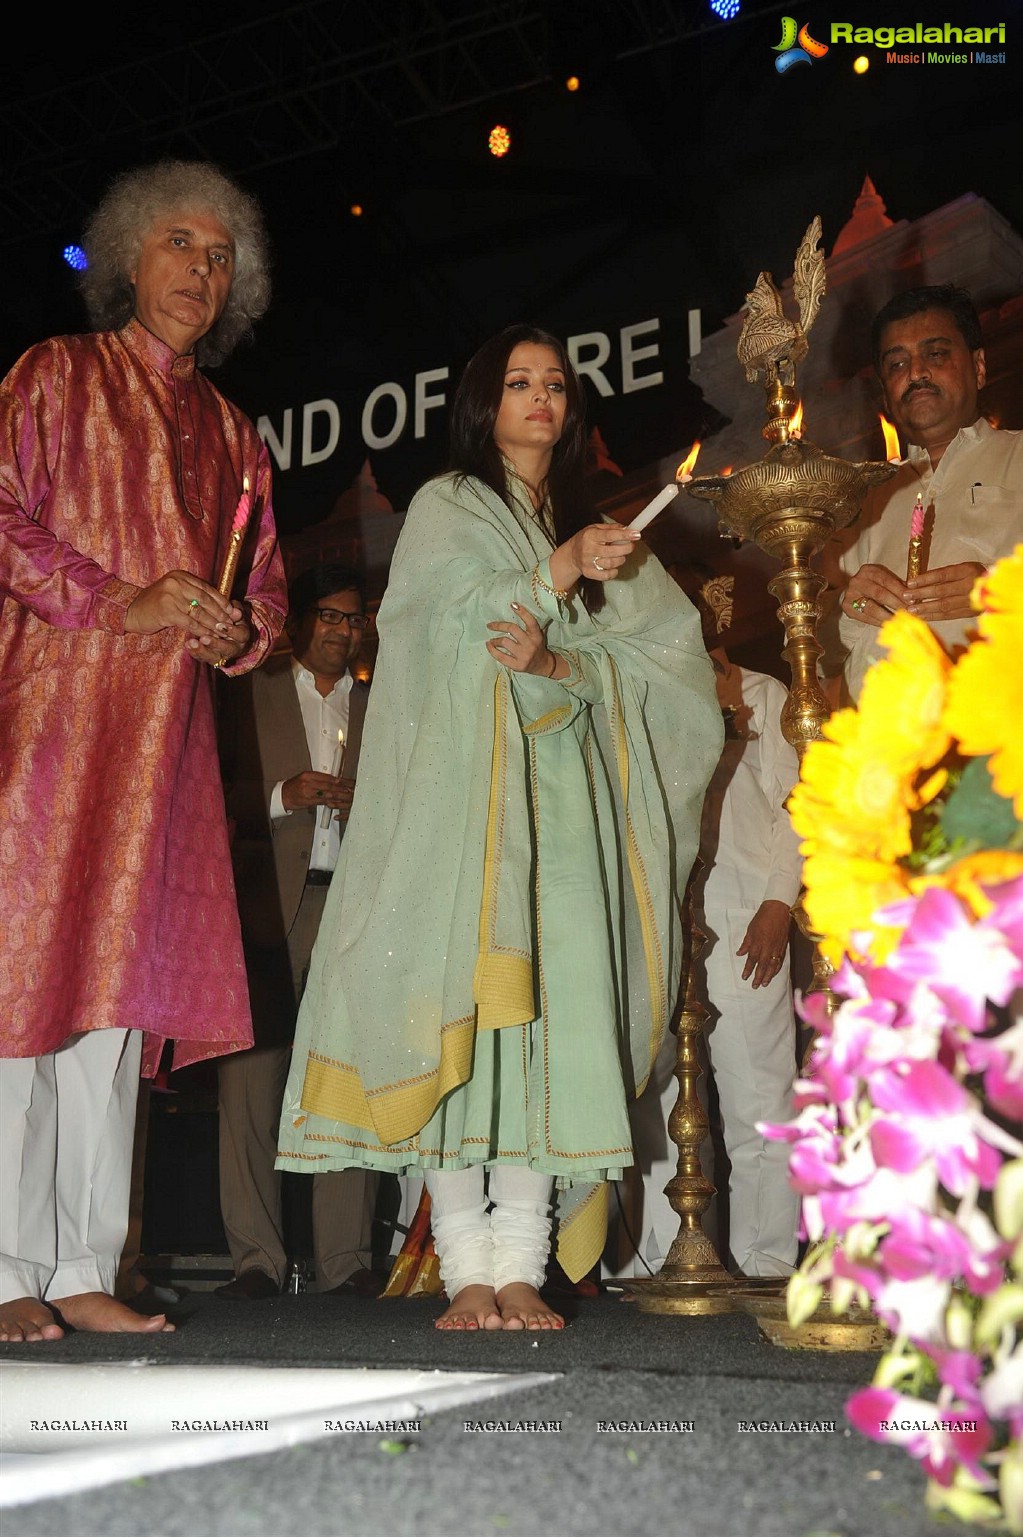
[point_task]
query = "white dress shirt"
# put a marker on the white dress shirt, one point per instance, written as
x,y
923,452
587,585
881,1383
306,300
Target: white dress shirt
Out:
x,y
323,716
974,501
747,842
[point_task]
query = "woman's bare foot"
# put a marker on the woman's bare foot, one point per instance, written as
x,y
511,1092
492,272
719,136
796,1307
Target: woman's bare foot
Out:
x,y
474,1307
26,1318
522,1307
97,1313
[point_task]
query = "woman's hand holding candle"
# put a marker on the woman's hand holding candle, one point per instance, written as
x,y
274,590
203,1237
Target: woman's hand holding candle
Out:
x,y
683,474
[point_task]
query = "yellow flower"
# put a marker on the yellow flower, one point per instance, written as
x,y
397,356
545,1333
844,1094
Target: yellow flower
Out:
x,y
849,797
985,697
859,786
1000,590
968,876
843,894
903,696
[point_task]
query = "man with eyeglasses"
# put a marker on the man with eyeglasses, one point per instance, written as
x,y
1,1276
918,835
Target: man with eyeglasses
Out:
x,y
290,761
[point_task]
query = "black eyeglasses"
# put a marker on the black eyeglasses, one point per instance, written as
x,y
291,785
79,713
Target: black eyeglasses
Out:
x,y
338,616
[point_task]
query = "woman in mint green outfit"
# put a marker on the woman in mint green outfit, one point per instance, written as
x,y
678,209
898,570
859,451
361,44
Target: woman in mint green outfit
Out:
x,y
500,950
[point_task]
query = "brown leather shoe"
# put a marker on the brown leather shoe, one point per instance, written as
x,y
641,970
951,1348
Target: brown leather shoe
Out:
x,y
250,1286
361,1283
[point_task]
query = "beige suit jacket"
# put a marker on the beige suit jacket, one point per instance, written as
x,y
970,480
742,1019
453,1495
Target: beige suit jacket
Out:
x,y
271,859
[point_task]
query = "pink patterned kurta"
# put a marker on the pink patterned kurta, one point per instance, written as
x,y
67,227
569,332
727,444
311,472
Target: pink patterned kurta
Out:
x,y
119,462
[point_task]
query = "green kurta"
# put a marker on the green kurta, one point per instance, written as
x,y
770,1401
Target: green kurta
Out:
x,y
500,949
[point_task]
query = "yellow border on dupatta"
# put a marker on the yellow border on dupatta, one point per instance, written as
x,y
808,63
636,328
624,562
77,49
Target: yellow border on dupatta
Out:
x,y
395,1112
640,885
502,983
583,1234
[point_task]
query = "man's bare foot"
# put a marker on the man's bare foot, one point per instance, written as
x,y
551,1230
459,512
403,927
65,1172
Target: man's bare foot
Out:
x,y
97,1313
26,1318
474,1307
522,1307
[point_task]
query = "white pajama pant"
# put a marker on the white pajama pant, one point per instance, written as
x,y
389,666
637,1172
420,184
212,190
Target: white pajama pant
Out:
x,y
480,1247
751,1037
66,1133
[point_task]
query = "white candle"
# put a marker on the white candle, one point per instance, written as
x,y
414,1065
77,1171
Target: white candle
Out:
x,y
326,812
658,504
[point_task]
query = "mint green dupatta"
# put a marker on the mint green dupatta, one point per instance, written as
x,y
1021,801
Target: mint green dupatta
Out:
x,y
500,949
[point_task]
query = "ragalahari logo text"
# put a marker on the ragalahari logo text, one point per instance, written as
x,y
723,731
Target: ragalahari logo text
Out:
x,y
796,46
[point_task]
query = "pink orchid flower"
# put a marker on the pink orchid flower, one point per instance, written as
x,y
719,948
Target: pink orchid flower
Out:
x,y
1000,1060
884,1415
963,962
931,1116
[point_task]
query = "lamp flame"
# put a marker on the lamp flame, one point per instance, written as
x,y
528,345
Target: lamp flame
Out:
x,y
686,467
892,452
726,471
796,422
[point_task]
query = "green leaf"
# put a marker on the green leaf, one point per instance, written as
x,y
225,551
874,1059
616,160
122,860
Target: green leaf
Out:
x,y
1008,1199
802,1298
967,1504
393,1448
1001,1310
1010,1487
893,1369
975,813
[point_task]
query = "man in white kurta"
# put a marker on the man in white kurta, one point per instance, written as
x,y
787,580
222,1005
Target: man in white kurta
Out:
x,y
750,877
967,475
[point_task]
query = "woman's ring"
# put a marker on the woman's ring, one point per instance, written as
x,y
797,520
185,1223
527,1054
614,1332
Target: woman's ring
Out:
x,y
194,603
857,604
596,564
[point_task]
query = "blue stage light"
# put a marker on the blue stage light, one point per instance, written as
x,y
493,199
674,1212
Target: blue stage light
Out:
x,y
76,257
726,9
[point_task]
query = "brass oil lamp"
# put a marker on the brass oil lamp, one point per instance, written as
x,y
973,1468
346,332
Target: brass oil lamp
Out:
x,y
789,503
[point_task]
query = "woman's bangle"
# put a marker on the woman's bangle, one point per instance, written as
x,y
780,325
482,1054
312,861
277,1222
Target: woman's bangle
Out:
x,y
561,593
554,664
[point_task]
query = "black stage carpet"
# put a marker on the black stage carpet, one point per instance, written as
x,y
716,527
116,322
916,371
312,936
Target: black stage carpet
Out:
x,y
612,1364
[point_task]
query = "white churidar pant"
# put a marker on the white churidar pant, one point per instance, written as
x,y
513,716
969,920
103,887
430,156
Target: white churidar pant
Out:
x,y
66,1130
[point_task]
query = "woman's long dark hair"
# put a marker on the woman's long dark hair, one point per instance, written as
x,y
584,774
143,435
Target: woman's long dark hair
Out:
x,y
474,452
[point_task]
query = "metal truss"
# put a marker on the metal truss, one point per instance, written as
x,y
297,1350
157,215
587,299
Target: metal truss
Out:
x,y
295,82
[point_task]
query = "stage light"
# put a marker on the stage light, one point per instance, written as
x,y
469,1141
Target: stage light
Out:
x,y
726,9
75,257
499,142
572,83
862,64
356,210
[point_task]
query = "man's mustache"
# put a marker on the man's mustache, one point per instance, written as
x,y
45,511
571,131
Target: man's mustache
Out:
x,y
921,384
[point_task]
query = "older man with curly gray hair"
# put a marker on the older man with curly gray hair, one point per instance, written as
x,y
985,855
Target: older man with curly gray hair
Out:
x,y
125,476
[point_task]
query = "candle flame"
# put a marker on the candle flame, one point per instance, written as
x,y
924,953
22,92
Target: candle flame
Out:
x,y
892,452
686,467
796,422
340,738
245,484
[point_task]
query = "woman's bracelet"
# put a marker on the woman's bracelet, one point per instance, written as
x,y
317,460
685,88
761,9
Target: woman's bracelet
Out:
x,y
554,667
561,593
